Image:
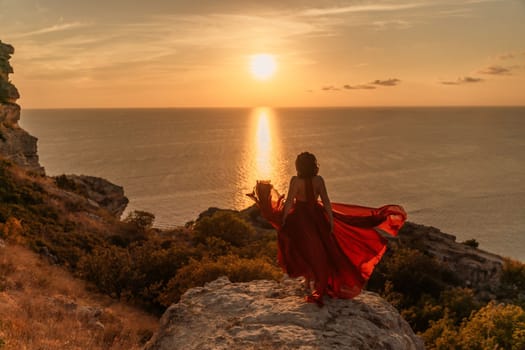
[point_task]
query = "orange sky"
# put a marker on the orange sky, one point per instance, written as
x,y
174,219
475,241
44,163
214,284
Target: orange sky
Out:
x,y
161,53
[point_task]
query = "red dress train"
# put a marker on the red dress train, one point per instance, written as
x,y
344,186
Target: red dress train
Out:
x,y
339,264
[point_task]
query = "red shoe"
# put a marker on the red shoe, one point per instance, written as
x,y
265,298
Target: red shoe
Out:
x,y
315,298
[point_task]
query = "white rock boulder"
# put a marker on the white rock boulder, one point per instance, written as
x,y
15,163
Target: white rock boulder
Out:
x,y
273,315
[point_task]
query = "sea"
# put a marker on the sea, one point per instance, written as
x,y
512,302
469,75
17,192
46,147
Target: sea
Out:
x,y
460,169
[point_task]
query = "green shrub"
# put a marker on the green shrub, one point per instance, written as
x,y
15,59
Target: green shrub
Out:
x,y
412,274
471,243
441,334
64,183
414,283
420,314
138,272
494,326
136,227
196,273
108,268
459,302
513,282
142,220
155,266
226,226
214,247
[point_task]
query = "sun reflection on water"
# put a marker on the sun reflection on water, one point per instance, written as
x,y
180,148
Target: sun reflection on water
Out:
x,y
262,159
263,149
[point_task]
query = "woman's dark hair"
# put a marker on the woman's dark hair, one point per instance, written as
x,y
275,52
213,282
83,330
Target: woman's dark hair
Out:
x,y
306,165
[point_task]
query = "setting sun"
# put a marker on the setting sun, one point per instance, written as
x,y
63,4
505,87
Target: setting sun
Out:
x,y
263,66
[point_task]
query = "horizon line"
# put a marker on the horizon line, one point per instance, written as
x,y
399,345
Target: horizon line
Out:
x,y
280,107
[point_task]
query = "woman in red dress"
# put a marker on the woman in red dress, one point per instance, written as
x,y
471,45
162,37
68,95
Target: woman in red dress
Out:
x,y
334,245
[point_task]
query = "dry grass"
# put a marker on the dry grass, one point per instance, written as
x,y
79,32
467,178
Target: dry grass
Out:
x,y
43,307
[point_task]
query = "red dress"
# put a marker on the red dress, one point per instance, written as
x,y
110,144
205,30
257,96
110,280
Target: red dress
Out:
x,y
338,263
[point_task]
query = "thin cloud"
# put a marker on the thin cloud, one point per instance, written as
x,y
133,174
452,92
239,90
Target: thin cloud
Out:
x,y
461,12
174,43
507,56
496,70
330,88
53,29
463,80
480,1
387,82
360,8
396,24
512,56
358,87
368,86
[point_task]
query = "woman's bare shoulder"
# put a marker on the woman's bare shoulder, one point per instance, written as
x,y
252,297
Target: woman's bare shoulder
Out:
x,y
318,179
318,183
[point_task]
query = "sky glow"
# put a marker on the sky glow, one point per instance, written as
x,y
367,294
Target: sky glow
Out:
x,y
165,53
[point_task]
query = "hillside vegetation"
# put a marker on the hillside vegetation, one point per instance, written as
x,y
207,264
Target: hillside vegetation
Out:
x,y
132,261
44,307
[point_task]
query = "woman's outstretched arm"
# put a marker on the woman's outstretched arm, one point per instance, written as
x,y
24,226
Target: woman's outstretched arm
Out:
x,y
326,203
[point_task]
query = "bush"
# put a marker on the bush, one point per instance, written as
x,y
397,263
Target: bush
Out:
x,y
471,243
142,220
441,335
138,272
12,230
226,226
414,283
494,326
196,273
63,182
108,268
412,274
135,227
459,302
513,282
155,265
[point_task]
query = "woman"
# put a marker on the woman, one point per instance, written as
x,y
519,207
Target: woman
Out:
x,y
334,245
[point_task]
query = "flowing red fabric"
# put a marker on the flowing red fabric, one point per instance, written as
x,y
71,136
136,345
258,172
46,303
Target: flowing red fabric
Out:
x,y
338,263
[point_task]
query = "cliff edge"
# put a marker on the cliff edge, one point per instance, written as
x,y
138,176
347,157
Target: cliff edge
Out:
x,y
16,144
273,315
19,147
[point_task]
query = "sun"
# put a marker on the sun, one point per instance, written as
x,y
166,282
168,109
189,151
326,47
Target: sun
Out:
x,y
263,66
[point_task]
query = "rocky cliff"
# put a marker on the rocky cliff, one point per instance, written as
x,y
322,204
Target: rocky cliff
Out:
x,y
99,192
19,147
271,315
476,268
16,144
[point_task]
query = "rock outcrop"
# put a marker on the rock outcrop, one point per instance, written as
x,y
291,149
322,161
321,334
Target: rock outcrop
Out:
x,y
477,269
273,315
98,191
16,144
